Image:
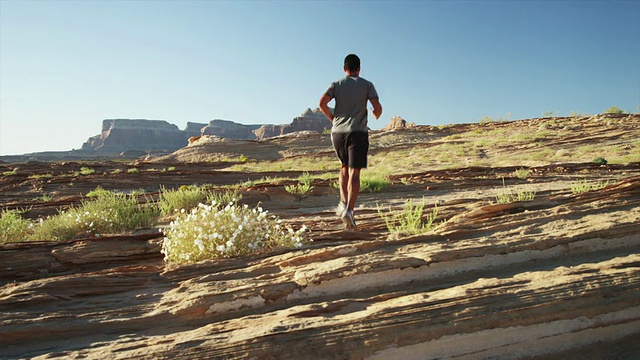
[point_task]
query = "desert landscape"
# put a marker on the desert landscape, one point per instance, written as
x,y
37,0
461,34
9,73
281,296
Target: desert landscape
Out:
x,y
534,252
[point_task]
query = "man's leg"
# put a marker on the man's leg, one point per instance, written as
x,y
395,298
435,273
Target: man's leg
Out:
x,y
353,188
344,184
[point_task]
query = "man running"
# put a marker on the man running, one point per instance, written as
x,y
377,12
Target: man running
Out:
x,y
350,133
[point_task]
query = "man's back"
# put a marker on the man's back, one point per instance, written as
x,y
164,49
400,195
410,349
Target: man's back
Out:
x,y
351,94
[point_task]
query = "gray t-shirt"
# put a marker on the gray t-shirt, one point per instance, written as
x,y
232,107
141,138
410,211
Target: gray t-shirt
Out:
x,y
351,94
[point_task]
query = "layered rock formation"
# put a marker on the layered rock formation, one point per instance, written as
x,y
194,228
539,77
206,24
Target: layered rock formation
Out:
x,y
194,129
120,135
309,120
557,277
398,123
230,130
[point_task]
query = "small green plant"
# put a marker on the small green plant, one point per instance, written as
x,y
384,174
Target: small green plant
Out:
x,y
584,186
106,213
614,110
86,171
505,197
522,173
226,230
12,172
41,176
600,161
486,120
13,227
116,171
45,198
298,189
184,198
303,187
326,131
410,219
133,171
97,192
224,197
372,182
243,159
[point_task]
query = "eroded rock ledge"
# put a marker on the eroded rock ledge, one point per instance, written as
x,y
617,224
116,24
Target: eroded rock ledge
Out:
x,y
557,276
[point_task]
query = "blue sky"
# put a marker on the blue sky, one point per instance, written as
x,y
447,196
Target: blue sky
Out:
x,y
67,65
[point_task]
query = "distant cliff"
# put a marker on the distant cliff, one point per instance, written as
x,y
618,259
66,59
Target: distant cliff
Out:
x,y
313,120
120,135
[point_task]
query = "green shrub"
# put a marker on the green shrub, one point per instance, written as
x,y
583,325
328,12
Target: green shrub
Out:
x,y
522,173
409,220
600,161
584,186
107,213
223,197
614,110
303,187
371,182
185,198
87,171
505,197
12,172
219,230
97,192
13,227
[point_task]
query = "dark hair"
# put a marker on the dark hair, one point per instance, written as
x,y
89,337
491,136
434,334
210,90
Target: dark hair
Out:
x,y
352,62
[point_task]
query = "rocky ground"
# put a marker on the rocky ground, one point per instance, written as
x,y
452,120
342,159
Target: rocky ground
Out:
x,y
556,277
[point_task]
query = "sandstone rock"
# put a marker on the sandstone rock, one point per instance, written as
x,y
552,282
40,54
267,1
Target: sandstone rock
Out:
x,y
552,278
500,281
309,120
133,153
147,135
397,123
194,129
230,130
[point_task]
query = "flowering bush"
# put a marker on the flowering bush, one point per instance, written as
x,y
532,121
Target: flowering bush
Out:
x,y
219,230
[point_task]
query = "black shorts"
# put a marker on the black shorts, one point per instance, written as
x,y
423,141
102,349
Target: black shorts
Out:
x,y
351,148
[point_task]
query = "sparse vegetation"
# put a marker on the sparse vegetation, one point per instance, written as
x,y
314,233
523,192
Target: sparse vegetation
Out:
x,y
107,213
600,161
226,230
184,198
86,171
13,227
410,219
373,182
11,172
133,171
41,176
303,187
584,186
97,192
508,196
614,110
522,173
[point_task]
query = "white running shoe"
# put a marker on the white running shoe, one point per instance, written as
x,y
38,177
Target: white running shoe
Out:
x,y
347,219
340,208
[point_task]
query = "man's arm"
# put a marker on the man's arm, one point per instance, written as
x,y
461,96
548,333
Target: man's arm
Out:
x,y
324,106
377,108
